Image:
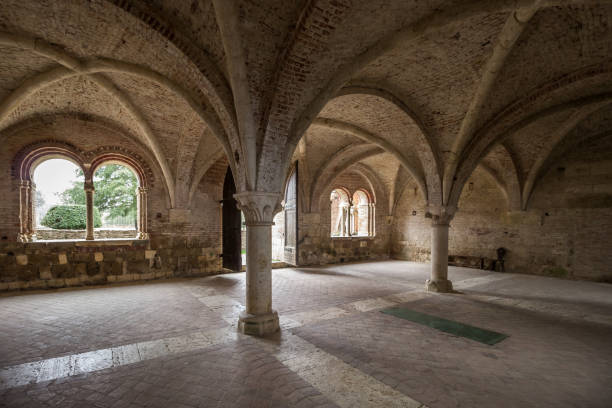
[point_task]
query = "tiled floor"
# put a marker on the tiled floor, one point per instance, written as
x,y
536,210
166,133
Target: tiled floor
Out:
x,y
174,343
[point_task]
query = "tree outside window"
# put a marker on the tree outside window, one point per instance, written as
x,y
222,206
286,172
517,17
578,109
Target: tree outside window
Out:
x,y
115,195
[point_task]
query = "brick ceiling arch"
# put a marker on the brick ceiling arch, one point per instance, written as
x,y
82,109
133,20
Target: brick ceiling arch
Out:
x,y
94,71
257,74
478,151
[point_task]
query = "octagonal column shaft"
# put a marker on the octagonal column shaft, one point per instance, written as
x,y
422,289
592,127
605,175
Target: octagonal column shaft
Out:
x,y
32,212
438,281
142,213
24,211
89,202
259,208
259,269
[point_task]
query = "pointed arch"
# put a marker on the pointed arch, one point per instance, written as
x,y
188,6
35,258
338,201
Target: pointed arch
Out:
x,y
475,153
369,137
93,68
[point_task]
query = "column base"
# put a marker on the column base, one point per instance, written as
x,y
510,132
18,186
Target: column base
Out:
x,y
24,238
258,325
440,286
142,235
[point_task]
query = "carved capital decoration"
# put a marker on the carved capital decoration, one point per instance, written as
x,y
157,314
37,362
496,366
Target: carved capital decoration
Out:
x,y
441,215
259,207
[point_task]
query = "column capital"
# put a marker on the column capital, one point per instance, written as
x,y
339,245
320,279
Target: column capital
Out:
x,y
25,183
440,215
142,190
88,186
259,207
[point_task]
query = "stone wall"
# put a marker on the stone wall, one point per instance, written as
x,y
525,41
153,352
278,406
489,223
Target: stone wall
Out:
x,y
40,265
563,233
183,241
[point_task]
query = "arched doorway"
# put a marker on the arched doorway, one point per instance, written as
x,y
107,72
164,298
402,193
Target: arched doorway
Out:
x,y
291,222
284,230
231,222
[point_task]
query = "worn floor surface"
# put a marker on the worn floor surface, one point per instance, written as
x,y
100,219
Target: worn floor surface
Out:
x,y
174,343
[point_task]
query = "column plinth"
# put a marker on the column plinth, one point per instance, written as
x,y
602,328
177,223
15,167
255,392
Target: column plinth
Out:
x,y
259,209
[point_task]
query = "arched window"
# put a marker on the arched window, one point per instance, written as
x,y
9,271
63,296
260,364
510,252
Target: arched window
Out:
x,y
340,206
361,215
115,197
55,214
351,217
57,186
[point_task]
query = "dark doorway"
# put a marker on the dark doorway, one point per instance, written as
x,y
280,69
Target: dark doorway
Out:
x,y
231,225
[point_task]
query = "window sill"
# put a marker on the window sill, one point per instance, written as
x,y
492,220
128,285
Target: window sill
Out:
x,y
354,237
89,243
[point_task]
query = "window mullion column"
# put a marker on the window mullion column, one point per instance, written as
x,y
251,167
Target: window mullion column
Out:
x,y
142,213
24,211
89,201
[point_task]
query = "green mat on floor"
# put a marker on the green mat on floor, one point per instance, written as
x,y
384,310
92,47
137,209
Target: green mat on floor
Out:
x,y
448,326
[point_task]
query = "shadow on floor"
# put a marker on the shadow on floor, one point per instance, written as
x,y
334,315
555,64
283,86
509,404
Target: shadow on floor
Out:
x,y
323,272
540,298
223,281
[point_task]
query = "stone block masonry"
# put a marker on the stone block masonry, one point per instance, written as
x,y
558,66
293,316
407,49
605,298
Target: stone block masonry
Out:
x,y
39,265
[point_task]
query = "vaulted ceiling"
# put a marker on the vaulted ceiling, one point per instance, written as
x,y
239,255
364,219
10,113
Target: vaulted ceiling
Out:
x,y
408,89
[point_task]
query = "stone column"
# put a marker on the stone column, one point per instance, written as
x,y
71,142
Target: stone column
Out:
x,y
259,209
32,211
371,215
438,281
89,202
141,194
24,211
348,220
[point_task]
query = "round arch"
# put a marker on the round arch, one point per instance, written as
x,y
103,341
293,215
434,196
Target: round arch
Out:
x,y
142,175
363,193
28,158
31,156
362,213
